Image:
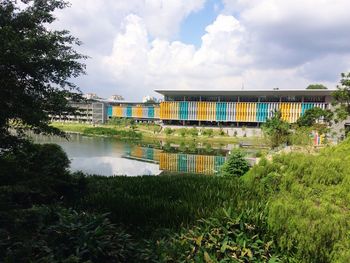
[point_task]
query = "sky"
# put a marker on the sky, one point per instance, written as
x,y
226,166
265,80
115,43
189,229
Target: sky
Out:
x,y
138,46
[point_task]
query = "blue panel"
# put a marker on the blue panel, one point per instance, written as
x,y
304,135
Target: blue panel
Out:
x,y
151,112
224,109
183,110
128,111
109,111
219,161
221,111
182,162
149,153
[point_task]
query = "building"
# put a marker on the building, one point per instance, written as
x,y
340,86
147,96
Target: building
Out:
x,y
90,96
89,111
116,98
234,107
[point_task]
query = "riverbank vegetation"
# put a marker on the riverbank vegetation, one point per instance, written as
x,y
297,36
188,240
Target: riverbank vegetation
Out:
x,y
151,132
293,208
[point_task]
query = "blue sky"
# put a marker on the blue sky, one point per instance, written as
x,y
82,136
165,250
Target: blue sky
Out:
x,y
193,27
138,46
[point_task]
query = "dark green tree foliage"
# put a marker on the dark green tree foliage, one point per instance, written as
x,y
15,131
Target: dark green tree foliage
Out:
x,y
277,130
235,165
316,86
312,115
35,174
342,97
36,65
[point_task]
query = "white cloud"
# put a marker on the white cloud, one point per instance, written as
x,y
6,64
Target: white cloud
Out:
x,y
135,62
265,44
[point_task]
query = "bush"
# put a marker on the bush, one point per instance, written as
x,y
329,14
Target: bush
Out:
x,y
168,131
123,134
235,164
193,132
36,174
276,130
224,238
309,200
221,132
57,235
183,132
208,132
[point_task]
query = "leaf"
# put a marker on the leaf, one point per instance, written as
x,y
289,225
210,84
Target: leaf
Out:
x,y
199,240
207,258
223,247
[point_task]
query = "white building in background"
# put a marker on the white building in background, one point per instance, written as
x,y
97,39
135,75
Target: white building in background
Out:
x,y
90,96
149,98
116,97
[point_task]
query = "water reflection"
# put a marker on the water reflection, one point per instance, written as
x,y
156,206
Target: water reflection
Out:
x,y
107,156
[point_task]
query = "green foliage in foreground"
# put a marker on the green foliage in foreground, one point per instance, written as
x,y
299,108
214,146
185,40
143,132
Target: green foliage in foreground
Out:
x,y
56,234
228,237
294,208
150,202
309,202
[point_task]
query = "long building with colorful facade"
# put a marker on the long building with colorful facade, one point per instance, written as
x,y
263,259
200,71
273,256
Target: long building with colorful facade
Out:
x,y
241,107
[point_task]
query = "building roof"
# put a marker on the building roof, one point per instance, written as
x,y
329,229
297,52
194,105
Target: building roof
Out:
x,y
282,92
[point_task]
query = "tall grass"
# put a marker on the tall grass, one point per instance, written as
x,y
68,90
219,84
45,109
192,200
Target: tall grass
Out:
x,y
309,202
164,201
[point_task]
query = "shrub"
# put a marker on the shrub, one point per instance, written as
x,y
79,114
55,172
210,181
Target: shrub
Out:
x,y
57,235
235,164
123,134
308,199
225,238
208,132
183,132
193,132
277,130
36,173
168,131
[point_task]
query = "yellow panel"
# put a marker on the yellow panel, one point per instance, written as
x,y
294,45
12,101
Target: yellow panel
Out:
x,y
244,111
156,112
139,111
117,111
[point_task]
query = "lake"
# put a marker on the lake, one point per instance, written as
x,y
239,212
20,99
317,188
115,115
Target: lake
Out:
x,y
108,156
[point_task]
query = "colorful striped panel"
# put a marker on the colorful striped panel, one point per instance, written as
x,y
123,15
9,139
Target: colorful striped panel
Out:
x,y
183,110
109,111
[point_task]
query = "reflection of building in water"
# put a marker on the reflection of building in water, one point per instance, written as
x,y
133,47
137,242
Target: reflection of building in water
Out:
x,y
188,163
177,162
144,153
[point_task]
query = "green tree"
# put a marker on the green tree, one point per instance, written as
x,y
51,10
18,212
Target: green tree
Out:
x,y
342,97
36,68
311,116
235,165
316,86
277,130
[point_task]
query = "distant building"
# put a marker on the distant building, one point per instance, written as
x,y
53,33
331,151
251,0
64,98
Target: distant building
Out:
x,y
116,97
148,98
90,96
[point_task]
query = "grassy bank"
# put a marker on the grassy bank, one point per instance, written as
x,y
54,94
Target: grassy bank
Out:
x,y
154,132
103,130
